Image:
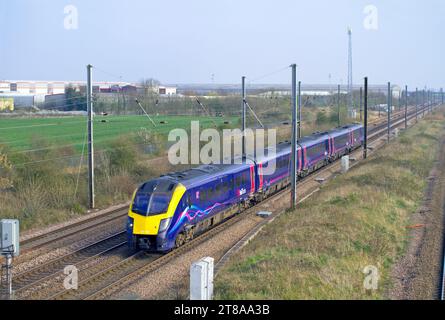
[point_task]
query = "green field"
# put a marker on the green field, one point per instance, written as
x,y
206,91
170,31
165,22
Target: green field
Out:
x,y
17,134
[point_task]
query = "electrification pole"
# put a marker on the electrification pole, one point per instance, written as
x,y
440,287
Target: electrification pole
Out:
x,y
90,137
361,103
338,106
417,102
351,109
243,89
365,133
389,109
379,104
299,110
431,100
406,107
294,159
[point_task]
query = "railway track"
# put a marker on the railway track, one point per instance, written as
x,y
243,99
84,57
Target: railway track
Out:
x,y
35,278
116,277
72,229
102,282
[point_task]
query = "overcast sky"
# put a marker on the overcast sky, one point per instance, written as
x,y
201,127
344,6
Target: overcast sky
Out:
x,y
179,41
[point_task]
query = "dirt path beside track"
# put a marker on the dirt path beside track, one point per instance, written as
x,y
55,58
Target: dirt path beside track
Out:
x,y
417,274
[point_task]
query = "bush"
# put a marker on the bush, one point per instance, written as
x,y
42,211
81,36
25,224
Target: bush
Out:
x,y
321,118
122,155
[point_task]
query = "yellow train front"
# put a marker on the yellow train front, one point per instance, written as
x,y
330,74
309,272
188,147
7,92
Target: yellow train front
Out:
x,y
150,215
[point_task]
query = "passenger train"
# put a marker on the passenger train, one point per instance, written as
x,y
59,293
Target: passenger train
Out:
x,y
169,211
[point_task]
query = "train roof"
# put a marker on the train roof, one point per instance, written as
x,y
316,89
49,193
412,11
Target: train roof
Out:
x,y
353,126
281,148
315,138
345,129
204,173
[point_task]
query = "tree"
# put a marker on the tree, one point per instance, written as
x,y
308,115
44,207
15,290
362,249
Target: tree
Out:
x,y
149,84
75,100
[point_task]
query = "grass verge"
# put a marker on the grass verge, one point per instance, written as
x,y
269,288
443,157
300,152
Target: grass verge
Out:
x,y
357,220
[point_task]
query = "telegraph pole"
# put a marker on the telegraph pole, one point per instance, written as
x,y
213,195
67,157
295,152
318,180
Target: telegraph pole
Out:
x,y
338,105
361,103
406,107
243,90
90,137
299,110
294,154
389,109
365,133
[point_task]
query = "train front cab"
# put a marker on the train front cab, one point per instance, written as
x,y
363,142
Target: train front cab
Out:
x,y
150,214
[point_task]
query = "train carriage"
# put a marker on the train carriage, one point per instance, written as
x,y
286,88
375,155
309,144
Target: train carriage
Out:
x,y
273,169
346,138
356,134
316,150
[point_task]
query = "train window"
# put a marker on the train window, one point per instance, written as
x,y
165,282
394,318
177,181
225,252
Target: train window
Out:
x,y
202,195
238,180
153,197
225,186
246,177
316,151
341,141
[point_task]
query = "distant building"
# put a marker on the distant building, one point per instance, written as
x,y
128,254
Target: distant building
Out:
x,y
23,100
55,101
52,87
32,93
6,104
166,91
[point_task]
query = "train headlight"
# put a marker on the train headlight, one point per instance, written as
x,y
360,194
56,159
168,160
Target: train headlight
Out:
x,y
130,223
164,224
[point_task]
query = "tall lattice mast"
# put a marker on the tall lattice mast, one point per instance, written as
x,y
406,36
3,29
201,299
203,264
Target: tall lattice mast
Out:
x,y
351,112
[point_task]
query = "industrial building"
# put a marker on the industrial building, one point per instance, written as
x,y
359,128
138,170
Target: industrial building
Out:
x,y
29,93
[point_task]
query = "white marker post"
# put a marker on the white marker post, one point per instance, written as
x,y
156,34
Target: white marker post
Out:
x,y
201,279
345,164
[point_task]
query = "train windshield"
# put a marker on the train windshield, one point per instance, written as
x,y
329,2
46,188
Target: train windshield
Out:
x,y
153,197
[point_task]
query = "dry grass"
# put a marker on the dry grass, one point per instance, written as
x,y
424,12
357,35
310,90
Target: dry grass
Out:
x,y
320,250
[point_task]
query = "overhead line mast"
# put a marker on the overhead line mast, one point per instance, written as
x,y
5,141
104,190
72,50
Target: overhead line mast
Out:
x,y
351,111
